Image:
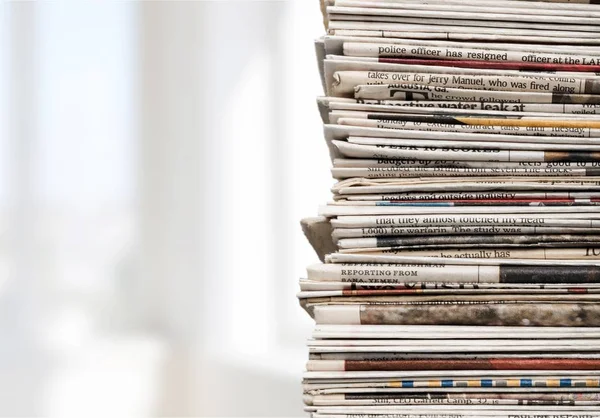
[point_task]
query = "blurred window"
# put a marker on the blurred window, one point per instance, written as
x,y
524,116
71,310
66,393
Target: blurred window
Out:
x,y
74,326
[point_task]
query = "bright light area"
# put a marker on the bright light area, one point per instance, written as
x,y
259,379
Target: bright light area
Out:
x,y
76,330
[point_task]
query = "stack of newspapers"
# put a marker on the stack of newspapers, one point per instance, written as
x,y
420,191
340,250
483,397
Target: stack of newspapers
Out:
x,y
460,272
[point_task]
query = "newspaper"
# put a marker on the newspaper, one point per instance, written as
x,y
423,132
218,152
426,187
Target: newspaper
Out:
x,y
463,271
588,399
497,217
413,50
425,375
365,109
473,7
529,413
485,139
363,345
566,5
313,287
589,20
460,36
408,91
485,258
456,291
462,199
345,81
442,20
395,122
479,7
436,332
462,151
458,18
365,114
334,44
382,172
382,231
460,107
507,314
390,299
435,349
336,63
345,132
499,65
450,123
456,364
398,163
479,237
423,411
480,147
331,210
573,36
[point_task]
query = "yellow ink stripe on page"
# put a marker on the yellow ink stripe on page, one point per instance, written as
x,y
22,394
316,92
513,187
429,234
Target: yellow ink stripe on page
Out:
x,y
434,384
531,122
513,383
592,383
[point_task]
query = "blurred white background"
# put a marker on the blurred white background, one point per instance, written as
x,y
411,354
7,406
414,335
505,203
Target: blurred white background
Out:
x,y
156,159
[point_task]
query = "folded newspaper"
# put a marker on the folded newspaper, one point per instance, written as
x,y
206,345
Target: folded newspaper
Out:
x,y
460,253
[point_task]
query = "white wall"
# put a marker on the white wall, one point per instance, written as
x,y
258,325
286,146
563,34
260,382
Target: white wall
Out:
x,y
158,158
